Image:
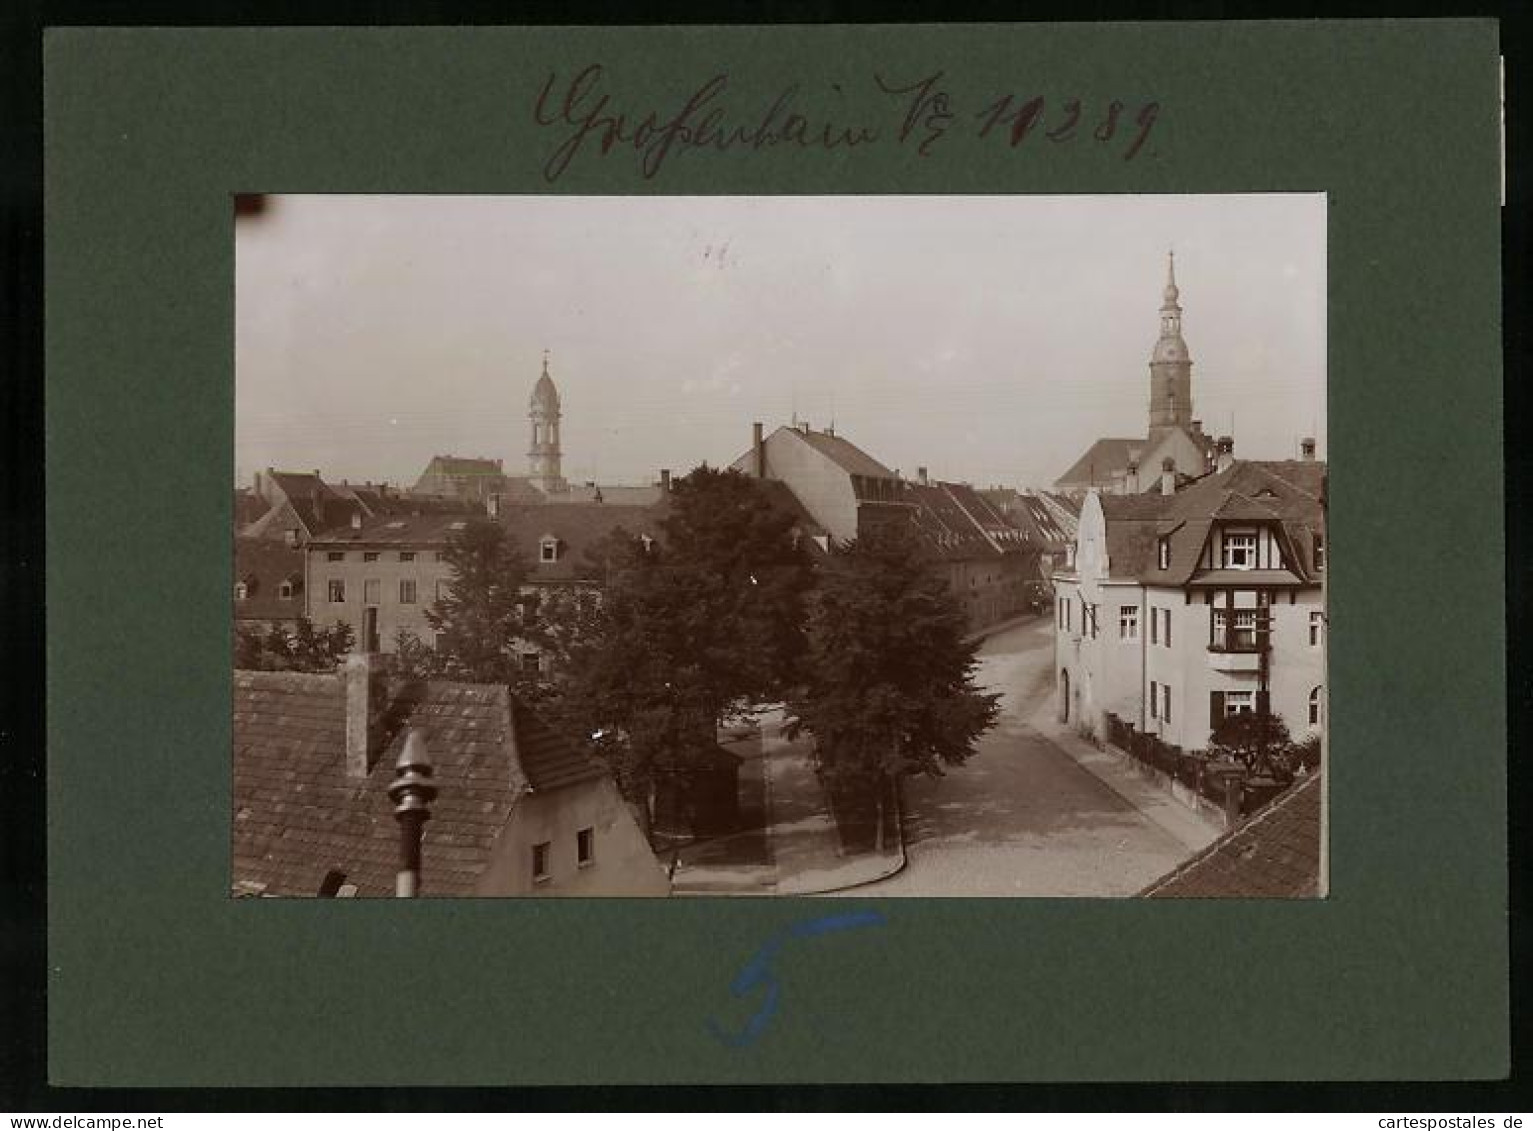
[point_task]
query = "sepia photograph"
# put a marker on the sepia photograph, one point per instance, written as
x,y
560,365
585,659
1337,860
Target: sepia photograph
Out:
x,y
720,546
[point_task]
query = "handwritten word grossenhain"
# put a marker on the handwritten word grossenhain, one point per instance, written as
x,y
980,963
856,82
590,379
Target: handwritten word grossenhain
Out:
x,y
589,119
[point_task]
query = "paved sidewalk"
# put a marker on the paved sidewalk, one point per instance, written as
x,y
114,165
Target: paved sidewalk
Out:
x,y
804,847
1188,827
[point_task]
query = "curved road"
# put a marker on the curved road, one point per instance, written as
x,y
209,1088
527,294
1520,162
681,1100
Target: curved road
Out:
x,y
1020,818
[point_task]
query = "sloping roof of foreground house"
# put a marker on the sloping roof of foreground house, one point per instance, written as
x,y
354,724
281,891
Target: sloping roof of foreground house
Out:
x,y
298,815
1273,855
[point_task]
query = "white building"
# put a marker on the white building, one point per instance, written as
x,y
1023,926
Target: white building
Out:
x,y
1178,607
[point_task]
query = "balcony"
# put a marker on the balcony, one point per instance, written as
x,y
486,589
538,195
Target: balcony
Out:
x,y
1234,650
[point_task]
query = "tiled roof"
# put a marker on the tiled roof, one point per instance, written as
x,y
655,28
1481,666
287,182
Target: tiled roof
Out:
x,y
263,565
1003,534
461,465
550,759
1273,855
1101,460
297,814
578,528
948,531
610,495
432,529
843,453
1248,491
248,507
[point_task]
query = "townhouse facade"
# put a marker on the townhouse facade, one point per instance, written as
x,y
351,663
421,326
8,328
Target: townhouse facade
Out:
x,y
1176,608
985,560
388,571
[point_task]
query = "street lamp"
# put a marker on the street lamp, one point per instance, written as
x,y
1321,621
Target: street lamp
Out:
x,y
412,792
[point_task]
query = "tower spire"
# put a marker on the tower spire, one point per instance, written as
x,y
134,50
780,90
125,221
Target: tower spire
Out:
x,y
1170,363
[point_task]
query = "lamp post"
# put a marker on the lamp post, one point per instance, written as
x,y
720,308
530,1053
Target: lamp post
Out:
x,y
412,792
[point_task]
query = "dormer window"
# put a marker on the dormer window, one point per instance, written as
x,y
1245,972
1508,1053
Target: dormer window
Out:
x,y
241,590
548,548
1318,547
649,543
287,589
1163,552
1240,549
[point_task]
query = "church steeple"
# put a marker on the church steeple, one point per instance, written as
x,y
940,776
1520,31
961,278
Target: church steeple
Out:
x,y
543,457
1170,363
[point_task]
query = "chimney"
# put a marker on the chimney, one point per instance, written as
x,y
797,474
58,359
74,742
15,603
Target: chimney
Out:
x,y
1307,448
1226,449
1131,480
758,446
830,429
1168,476
665,481
921,477
365,699
356,519
492,505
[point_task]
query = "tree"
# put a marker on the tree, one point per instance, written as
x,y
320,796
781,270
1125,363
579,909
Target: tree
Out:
x,y
485,612
890,688
688,629
414,659
248,650
1253,739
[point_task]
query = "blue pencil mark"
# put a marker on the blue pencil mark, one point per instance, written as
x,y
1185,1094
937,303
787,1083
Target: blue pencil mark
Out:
x,y
758,972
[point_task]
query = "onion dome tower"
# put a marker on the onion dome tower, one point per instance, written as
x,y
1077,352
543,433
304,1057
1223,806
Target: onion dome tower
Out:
x,y
543,414
1170,364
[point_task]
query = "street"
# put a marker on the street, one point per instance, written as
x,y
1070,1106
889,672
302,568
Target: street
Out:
x,y
1021,818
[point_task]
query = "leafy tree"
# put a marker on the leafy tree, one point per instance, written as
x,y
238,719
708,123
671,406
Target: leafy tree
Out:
x,y
890,688
248,648
1252,739
413,658
687,629
485,611
278,649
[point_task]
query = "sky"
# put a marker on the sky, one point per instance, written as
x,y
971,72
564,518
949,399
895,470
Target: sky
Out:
x,y
989,339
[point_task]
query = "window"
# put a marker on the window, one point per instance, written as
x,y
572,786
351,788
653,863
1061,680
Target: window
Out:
x,y
1235,630
1239,702
1318,546
407,555
1314,707
407,591
1154,700
441,555
337,590
370,556
1240,550
585,847
1064,608
336,556
1154,626
540,862
1165,702
548,550
1166,627
1128,622
1316,628
285,590
530,663
241,591
1163,552
372,590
